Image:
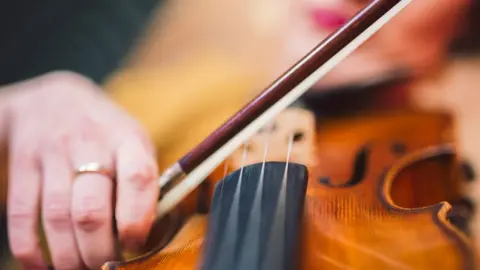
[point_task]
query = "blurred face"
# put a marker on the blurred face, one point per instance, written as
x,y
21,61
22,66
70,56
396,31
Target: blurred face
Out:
x,y
416,39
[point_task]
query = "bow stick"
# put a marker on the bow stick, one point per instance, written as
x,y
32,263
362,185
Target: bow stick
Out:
x,y
290,86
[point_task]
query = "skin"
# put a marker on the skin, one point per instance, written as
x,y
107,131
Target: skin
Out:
x,y
55,123
416,39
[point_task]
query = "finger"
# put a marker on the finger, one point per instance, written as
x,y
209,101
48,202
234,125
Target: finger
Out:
x,y
92,205
22,207
56,205
137,192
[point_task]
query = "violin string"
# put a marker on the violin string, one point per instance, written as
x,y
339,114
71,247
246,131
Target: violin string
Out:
x,y
230,233
225,171
277,234
249,254
290,147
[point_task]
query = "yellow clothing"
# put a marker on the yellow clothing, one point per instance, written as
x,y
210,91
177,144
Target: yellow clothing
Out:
x,y
180,106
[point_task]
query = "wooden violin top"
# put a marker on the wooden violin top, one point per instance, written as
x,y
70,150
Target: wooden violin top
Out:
x,y
375,195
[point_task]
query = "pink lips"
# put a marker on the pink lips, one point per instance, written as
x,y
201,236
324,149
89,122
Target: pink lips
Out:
x,y
328,19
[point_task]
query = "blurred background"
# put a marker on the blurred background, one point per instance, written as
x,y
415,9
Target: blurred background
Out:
x,y
184,66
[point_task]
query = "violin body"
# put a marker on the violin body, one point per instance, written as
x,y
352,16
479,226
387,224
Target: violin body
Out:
x,y
391,209
378,193
407,132
358,225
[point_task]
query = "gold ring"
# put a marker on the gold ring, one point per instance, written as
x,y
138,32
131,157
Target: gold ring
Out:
x,y
93,167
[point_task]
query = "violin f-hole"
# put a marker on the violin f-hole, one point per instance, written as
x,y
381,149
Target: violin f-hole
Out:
x,y
358,174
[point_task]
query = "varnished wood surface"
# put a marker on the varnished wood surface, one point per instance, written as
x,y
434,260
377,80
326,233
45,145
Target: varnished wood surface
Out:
x,y
359,227
455,90
184,252
363,224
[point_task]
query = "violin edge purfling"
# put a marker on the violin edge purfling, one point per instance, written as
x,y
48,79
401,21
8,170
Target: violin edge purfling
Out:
x,y
438,211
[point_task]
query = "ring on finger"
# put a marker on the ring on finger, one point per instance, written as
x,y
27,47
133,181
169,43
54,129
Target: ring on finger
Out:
x,y
94,167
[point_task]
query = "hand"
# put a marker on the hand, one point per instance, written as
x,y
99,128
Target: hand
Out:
x,y
56,123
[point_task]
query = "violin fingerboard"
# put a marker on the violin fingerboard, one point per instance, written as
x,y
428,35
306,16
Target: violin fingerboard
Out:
x,y
255,221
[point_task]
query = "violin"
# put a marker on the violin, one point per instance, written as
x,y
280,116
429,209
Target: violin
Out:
x,y
331,207
289,207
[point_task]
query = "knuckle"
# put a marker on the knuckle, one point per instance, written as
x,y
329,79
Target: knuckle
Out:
x,y
87,125
57,143
21,222
21,212
65,79
87,130
62,74
61,84
138,130
89,221
57,211
24,156
146,142
58,218
141,177
83,131
90,214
